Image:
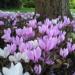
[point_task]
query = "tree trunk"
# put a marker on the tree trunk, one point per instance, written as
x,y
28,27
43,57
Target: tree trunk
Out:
x,y
52,8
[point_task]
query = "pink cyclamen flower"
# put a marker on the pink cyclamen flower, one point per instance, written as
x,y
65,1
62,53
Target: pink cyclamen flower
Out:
x,y
60,25
61,37
51,43
14,23
64,52
15,40
8,48
19,32
43,28
73,73
1,23
7,35
48,22
22,47
35,54
33,23
53,31
42,44
37,69
73,47
69,46
48,43
27,32
66,20
13,48
7,31
49,62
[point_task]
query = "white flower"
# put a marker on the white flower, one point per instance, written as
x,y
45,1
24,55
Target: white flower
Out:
x,y
26,73
54,21
13,70
64,52
18,56
34,43
15,58
4,52
24,57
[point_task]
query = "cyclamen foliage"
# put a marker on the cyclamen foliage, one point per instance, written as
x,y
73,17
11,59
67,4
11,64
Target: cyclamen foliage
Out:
x,y
39,44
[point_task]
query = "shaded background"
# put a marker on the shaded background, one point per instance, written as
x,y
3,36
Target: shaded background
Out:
x,y
24,5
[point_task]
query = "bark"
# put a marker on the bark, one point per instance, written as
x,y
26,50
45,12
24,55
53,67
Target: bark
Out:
x,y
52,8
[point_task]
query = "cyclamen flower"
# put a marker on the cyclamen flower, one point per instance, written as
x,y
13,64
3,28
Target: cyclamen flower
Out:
x,y
17,40
51,43
22,47
11,48
64,52
19,56
1,23
39,23
37,69
43,28
16,69
70,46
49,62
60,25
29,45
32,44
42,44
7,31
35,43
54,21
73,73
4,53
14,23
70,39
26,73
27,33
15,58
53,31
19,32
33,23
35,54
25,57
48,22
66,20
61,37
7,35
73,47
48,44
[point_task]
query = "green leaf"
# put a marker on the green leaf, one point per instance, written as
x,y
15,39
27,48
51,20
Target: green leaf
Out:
x,y
73,36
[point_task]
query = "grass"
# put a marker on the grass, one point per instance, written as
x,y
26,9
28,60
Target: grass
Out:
x,y
26,10
19,9
72,10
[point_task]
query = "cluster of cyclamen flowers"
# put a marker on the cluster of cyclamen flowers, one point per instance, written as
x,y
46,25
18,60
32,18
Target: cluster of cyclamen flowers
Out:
x,y
13,18
37,41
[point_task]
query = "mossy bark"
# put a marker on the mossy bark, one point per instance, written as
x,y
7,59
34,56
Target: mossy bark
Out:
x,y
52,8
